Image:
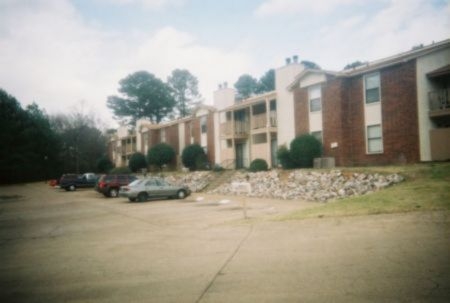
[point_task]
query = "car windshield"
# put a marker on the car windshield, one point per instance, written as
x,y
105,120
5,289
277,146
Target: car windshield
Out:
x,y
135,182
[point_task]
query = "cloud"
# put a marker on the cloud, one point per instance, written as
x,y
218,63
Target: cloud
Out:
x,y
50,55
395,28
147,4
284,7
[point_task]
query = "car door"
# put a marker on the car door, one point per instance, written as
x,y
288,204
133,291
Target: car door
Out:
x,y
165,190
152,188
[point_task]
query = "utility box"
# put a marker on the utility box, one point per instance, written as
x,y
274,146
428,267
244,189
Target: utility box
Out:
x,y
324,162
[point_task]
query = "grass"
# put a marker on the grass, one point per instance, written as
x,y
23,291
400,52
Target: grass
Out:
x,y
426,188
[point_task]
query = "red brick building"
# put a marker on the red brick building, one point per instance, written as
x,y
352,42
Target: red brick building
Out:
x,y
371,115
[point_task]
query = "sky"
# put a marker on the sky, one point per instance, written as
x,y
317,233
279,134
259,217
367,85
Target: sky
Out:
x,y
71,54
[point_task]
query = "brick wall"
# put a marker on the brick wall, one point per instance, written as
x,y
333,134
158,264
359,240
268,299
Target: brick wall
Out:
x,y
399,118
301,109
211,138
333,92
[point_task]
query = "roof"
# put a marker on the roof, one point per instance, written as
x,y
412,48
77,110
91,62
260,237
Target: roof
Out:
x,y
396,59
250,101
439,72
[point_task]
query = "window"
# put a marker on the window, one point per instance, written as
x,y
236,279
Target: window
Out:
x,y
259,138
163,135
315,98
317,135
372,88
374,139
203,124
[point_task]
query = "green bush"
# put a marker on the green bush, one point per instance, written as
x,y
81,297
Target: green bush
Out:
x,y
160,154
137,161
304,149
104,165
284,157
120,170
258,165
193,157
217,168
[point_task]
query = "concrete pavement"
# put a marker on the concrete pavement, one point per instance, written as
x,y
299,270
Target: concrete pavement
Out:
x,y
58,246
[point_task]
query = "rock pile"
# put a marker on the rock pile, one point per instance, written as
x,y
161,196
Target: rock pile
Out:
x,y
310,185
196,181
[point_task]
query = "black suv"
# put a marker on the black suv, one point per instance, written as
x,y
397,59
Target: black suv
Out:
x,y
109,185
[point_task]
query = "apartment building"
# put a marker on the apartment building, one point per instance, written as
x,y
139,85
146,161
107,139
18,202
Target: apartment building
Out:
x,y
195,129
393,110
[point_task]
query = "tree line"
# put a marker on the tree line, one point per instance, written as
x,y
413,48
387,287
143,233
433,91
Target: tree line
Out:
x,y
35,146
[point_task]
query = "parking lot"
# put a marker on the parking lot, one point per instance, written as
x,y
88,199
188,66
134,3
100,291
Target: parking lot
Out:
x,y
58,246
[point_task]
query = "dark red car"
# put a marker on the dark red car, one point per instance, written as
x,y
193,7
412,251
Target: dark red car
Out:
x,y
109,185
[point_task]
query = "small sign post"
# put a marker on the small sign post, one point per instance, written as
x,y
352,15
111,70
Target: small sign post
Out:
x,y
242,188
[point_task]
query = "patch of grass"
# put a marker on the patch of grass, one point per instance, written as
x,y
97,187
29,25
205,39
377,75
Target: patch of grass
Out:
x,y
426,188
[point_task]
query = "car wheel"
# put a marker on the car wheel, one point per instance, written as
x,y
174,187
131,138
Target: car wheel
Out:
x,y
181,194
72,187
113,193
132,199
142,197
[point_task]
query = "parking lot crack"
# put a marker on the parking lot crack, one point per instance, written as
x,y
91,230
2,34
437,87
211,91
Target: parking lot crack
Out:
x,y
225,264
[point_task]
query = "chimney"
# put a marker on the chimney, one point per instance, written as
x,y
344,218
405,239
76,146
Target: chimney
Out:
x,y
288,61
295,58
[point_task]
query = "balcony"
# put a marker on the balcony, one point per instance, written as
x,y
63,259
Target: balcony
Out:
x,y
260,120
240,129
439,102
128,149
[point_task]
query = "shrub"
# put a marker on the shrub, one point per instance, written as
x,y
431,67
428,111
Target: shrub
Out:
x,y
104,165
193,156
304,149
284,157
137,161
217,168
258,165
120,170
160,154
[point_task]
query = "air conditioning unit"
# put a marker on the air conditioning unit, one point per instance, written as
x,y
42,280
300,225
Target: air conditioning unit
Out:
x,y
325,162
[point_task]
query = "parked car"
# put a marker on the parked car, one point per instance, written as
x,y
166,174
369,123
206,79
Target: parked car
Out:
x,y
71,182
109,185
144,189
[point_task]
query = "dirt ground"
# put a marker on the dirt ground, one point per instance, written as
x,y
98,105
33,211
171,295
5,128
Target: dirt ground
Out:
x,y
58,246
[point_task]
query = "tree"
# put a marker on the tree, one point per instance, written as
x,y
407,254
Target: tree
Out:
x,y
82,142
184,90
30,148
354,64
145,97
246,86
267,82
137,162
192,156
104,165
304,149
160,154
310,64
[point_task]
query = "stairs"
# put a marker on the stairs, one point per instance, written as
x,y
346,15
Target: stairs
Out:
x,y
219,178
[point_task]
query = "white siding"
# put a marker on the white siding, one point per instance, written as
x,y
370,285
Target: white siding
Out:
x,y
425,65
285,102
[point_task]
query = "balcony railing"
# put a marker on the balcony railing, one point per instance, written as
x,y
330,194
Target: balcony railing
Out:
x,y
128,149
439,99
240,128
260,120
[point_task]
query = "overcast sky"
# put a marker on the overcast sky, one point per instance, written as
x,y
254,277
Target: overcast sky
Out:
x,y
59,53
